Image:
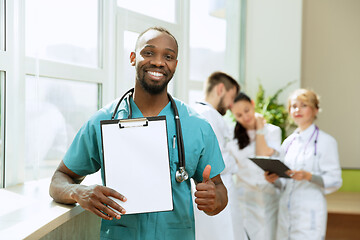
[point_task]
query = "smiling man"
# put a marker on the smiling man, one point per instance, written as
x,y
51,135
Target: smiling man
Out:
x,y
155,61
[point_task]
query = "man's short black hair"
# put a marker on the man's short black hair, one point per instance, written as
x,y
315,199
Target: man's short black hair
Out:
x,y
156,28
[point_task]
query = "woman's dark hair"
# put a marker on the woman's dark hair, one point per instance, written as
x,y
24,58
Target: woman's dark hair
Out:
x,y
240,132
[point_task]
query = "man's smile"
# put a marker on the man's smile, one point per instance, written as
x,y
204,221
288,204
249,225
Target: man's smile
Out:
x,y
155,75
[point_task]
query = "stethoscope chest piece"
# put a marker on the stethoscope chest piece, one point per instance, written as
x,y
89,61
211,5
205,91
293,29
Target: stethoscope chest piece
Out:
x,y
181,175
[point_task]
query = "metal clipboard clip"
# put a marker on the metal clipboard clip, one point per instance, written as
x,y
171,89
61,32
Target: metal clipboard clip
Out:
x,y
137,122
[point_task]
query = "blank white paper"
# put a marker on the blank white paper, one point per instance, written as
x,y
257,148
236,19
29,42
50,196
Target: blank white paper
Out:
x,y
136,163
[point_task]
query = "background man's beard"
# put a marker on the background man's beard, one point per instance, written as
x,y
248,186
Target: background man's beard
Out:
x,y
220,107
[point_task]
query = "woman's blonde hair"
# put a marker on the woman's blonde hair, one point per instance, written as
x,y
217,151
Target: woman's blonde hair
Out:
x,y
307,96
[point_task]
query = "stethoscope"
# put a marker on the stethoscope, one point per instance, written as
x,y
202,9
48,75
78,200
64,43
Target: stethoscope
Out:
x,y
316,131
181,173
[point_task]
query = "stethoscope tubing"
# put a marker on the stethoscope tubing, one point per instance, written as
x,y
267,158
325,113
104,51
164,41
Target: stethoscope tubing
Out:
x,y
131,91
315,141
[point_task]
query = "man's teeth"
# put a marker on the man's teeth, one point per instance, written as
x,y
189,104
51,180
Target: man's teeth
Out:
x,y
156,74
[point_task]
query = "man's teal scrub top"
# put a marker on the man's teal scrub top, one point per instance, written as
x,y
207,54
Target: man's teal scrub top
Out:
x,y
201,148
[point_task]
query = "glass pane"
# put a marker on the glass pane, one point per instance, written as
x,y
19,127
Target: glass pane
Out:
x,y
2,25
161,9
63,30
207,40
55,111
2,80
129,71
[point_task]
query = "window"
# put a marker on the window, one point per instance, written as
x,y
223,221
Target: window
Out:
x,y
207,39
163,10
128,47
55,110
64,78
2,25
2,163
65,58
63,31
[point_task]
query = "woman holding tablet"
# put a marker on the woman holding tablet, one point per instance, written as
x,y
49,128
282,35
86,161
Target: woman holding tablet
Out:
x,y
312,156
257,199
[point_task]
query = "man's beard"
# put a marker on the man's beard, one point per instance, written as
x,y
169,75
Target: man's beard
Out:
x,y
221,108
153,89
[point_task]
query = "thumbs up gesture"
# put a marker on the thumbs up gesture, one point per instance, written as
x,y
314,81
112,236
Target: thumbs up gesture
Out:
x,y
206,174
207,193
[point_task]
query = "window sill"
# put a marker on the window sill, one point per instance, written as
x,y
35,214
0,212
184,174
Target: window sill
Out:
x,y
28,212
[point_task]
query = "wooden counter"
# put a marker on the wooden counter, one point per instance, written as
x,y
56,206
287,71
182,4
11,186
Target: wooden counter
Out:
x,y
343,216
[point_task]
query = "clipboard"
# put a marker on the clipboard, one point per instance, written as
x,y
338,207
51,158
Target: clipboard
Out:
x,y
136,163
272,165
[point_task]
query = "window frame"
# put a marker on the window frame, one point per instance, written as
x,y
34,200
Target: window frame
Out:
x,y
113,21
2,127
18,65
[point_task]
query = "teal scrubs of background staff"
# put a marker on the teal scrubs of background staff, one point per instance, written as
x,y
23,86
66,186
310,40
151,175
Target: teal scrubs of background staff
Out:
x,y
201,148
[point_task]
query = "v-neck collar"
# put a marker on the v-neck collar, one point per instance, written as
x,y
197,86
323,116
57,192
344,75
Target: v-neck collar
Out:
x,y
306,134
136,113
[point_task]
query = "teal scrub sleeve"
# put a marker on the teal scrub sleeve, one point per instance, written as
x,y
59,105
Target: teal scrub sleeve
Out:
x,y
210,155
83,156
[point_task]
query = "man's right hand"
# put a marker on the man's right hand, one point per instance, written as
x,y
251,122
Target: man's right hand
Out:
x,y
97,199
65,188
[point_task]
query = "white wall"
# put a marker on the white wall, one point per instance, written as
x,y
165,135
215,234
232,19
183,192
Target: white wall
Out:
x,y
273,45
318,44
331,67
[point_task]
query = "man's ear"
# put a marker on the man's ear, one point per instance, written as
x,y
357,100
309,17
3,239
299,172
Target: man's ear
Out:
x,y
220,89
132,58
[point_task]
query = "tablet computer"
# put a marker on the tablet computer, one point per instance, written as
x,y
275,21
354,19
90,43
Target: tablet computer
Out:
x,y
272,165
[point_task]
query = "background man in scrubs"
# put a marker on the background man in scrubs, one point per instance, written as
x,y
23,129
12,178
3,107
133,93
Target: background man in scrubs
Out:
x,y
220,92
155,61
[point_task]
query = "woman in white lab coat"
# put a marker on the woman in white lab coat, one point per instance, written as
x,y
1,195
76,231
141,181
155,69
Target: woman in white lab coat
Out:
x,y
312,156
256,198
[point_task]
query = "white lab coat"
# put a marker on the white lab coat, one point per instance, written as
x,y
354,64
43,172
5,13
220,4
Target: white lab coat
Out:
x,y
256,198
228,223
302,211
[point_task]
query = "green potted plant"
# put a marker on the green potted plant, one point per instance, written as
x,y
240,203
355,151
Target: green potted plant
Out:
x,y
274,112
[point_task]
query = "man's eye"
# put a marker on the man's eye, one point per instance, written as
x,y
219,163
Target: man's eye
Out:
x,y
169,57
148,53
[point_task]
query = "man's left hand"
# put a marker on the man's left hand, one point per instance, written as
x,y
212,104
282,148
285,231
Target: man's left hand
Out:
x,y
207,193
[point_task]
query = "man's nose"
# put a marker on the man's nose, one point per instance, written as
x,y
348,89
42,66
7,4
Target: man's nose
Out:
x,y
158,61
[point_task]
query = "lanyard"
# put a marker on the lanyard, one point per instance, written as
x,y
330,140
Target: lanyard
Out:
x,y
181,174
